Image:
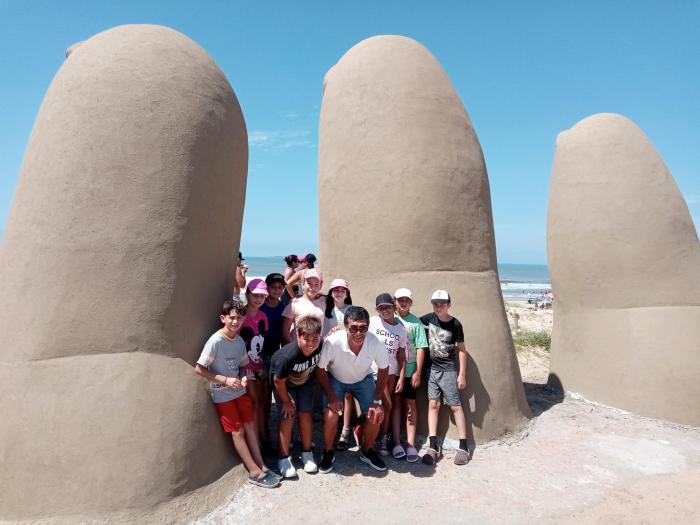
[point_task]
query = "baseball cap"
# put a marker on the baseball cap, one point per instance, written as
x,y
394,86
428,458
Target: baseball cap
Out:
x,y
313,272
275,278
403,292
384,298
339,283
257,286
440,295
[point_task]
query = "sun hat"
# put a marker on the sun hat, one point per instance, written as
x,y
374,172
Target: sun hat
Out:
x,y
257,286
384,298
313,272
403,292
440,295
339,283
275,278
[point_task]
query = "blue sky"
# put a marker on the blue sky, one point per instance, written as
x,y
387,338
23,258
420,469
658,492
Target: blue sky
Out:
x,y
524,70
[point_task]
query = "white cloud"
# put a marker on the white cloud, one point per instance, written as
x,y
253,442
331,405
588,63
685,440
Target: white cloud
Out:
x,y
278,140
692,199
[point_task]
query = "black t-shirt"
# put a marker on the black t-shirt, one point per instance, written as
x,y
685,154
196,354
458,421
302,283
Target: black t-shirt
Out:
x,y
273,337
290,362
442,340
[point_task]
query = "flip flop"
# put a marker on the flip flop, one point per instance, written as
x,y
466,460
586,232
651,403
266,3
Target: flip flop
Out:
x,y
412,455
398,452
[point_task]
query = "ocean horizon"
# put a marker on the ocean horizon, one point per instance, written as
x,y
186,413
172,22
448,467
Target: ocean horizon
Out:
x,y
518,281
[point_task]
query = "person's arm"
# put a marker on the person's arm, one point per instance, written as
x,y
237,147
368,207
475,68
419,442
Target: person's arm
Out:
x,y
288,406
240,275
231,382
462,377
334,404
420,359
293,280
287,330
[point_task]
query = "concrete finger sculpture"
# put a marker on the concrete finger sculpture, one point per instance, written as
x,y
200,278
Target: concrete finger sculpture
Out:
x,y
119,248
404,201
624,260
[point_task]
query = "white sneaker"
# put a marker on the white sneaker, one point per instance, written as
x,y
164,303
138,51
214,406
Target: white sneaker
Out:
x,y
286,468
307,458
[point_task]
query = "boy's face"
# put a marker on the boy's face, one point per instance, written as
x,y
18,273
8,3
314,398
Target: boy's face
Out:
x,y
256,299
275,290
232,322
440,307
403,305
386,311
308,343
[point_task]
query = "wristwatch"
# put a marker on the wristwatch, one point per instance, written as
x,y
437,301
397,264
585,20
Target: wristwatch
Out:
x,y
377,402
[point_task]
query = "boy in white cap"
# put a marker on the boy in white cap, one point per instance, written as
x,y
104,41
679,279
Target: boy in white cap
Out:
x,y
445,339
415,357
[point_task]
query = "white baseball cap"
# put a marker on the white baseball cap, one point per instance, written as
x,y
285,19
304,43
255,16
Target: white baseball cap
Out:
x,y
440,295
403,292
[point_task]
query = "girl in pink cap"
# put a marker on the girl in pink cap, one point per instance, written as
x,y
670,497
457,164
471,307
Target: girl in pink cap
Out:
x,y
253,330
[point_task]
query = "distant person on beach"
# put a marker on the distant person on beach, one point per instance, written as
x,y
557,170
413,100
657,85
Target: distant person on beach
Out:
x,y
392,334
307,262
338,301
239,279
223,355
312,303
290,290
445,339
272,308
253,332
346,366
292,371
415,358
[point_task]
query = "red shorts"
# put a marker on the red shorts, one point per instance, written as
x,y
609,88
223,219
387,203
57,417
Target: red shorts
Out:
x,y
234,413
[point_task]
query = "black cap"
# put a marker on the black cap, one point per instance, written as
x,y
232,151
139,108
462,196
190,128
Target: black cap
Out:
x,y
275,278
384,298
240,256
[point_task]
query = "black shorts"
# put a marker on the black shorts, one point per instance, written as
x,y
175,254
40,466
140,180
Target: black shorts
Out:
x,y
408,391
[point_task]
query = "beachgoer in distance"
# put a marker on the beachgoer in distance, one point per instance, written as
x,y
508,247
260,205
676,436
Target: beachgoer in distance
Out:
x,y
337,301
307,262
312,303
253,332
292,371
392,334
346,366
239,279
415,358
220,363
290,290
445,339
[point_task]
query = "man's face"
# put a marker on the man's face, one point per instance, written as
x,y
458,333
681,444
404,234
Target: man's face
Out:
x,y
232,322
403,304
256,299
312,286
275,290
309,342
357,331
386,311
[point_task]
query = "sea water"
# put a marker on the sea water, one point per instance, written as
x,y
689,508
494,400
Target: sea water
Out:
x,y
518,281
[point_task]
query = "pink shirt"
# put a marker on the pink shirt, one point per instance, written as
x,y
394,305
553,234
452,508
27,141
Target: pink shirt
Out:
x,y
302,307
253,333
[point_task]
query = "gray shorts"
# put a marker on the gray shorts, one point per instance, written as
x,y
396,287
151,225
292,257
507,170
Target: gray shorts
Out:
x,y
443,384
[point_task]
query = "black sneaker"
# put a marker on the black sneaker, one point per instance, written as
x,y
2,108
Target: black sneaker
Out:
x,y
372,459
268,481
326,464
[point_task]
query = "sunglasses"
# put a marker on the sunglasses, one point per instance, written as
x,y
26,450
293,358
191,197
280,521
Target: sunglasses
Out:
x,y
362,329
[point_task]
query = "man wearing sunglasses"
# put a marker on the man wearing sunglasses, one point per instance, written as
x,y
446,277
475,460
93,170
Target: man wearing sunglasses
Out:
x,y
346,366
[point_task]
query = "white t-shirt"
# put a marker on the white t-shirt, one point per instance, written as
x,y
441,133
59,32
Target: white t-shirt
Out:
x,y
341,362
393,336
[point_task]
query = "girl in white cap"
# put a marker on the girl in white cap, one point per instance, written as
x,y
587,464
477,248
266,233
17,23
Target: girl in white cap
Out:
x,y
312,303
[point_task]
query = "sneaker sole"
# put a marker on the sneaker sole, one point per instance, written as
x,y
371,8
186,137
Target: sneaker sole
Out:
x,y
263,485
311,471
365,459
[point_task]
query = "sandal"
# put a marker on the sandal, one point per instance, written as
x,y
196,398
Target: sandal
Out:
x,y
412,455
398,452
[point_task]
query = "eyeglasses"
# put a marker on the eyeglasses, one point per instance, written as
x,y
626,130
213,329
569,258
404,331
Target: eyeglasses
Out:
x,y
362,329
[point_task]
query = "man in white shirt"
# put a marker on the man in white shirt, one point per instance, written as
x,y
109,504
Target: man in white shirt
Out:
x,y
346,366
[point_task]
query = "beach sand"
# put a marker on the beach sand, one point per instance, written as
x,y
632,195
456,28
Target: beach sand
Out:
x,y
577,462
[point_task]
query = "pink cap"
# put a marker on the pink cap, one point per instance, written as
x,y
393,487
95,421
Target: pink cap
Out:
x,y
339,283
313,272
257,286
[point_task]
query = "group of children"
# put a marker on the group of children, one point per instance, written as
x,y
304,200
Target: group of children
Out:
x,y
268,341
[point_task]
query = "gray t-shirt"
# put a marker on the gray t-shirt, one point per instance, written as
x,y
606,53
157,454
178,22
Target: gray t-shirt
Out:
x,y
223,356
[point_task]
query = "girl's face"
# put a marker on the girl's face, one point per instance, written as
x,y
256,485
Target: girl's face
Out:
x,y
275,290
386,312
339,294
256,299
404,306
304,265
312,286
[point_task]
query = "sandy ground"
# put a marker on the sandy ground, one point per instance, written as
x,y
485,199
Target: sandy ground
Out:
x,y
577,462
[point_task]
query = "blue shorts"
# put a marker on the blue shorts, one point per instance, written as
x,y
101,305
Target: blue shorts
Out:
x,y
302,395
363,391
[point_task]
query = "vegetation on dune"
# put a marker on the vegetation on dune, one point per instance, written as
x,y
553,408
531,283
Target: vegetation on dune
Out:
x,y
523,339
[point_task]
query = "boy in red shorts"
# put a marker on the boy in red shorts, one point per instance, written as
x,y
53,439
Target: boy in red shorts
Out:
x,y
223,355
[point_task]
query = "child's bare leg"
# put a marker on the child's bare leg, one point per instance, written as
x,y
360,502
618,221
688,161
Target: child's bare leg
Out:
x,y
433,411
252,392
285,435
411,421
387,404
259,407
330,426
241,446
306,429
251,440
396,420
460,421
348,409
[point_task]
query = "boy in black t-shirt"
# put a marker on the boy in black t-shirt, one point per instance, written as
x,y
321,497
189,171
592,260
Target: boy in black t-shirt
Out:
x,y
445,340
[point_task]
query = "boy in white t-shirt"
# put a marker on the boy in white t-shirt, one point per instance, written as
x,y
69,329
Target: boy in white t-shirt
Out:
x,y
393,334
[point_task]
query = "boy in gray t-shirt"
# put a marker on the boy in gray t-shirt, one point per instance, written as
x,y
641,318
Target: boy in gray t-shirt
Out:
x,y
223,355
